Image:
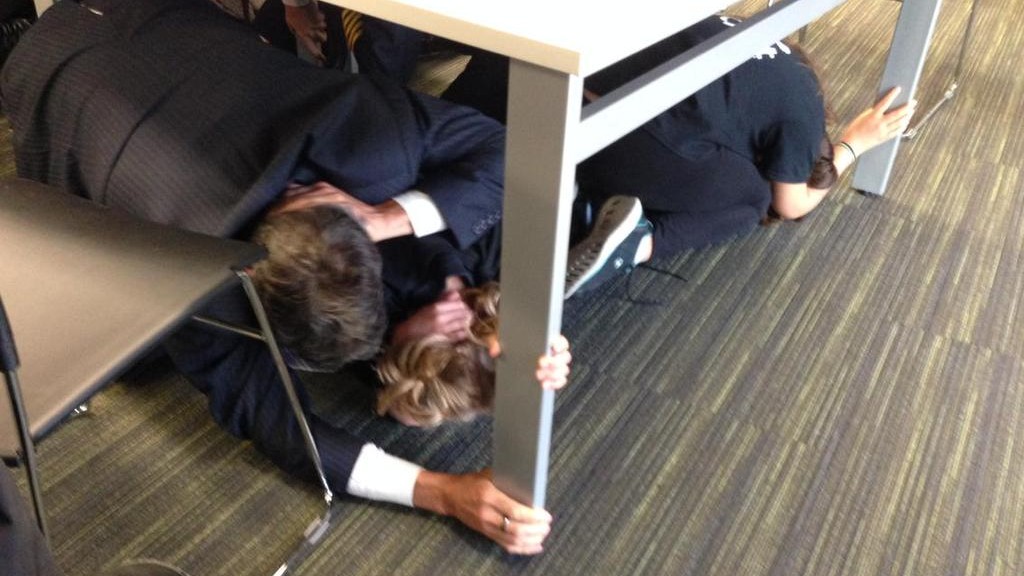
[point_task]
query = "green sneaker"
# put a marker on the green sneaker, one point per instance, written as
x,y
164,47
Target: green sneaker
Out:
x,y
610,248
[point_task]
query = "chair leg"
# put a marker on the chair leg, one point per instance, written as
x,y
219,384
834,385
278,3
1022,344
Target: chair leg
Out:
x,y
28,452
954,85
286,380
316,530
82,409
319,527
145,568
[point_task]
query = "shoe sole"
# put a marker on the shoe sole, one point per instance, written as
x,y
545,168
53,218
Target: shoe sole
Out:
x,y
621,214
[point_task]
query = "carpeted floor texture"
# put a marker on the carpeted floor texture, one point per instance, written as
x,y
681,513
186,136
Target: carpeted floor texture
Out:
x,y
841,396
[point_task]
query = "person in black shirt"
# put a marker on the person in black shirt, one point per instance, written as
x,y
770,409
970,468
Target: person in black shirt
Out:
x,y
750,144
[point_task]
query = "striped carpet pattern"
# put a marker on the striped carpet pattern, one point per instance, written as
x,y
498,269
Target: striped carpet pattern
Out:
x,y
840,396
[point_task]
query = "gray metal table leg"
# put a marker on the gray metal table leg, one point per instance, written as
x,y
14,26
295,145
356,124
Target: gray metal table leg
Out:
x,y
535,240
903,67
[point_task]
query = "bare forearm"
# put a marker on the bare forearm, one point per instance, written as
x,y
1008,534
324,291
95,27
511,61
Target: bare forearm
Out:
x,y
429,493
869,129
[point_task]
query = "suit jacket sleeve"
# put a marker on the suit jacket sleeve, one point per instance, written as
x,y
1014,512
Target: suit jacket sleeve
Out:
x,y
247,399
462,167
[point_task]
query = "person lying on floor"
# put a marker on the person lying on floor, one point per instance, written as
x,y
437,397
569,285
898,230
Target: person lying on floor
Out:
x,y
176,113
441,342
712,167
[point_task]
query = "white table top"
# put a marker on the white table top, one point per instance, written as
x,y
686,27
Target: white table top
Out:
x,y
573,36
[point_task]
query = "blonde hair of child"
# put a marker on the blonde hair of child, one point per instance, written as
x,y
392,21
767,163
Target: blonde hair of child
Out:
x,y
433,379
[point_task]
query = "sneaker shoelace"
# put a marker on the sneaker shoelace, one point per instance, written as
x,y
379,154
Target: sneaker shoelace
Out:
x,y
634,298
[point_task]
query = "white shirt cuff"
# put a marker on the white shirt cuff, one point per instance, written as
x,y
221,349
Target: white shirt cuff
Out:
x,y
380,476
422,212
295,2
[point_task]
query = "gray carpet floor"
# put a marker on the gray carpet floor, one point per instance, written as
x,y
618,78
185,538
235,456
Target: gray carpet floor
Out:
x,y
840,396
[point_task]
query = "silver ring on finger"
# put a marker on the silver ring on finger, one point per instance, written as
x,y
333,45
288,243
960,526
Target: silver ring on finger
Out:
x,y
505,522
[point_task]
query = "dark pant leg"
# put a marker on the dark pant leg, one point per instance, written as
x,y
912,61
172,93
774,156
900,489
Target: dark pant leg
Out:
x,y
482,85
23,550
678,231
692,203
271,25
388,49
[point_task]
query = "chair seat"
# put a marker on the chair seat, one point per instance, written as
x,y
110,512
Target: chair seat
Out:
x,y
88,290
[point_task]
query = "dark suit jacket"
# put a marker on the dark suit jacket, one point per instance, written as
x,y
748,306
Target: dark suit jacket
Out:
x,y
415,269
173,111
176,112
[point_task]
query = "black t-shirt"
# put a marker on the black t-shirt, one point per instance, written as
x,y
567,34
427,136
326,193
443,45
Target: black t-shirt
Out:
x,y
768,110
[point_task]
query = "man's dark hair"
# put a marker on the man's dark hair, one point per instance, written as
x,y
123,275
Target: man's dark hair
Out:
x,y
321,285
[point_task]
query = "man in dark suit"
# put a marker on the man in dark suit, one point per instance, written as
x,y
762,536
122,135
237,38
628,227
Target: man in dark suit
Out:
x,y
174,112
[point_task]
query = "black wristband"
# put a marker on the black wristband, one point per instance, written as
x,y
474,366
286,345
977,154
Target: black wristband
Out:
x,y
846,145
